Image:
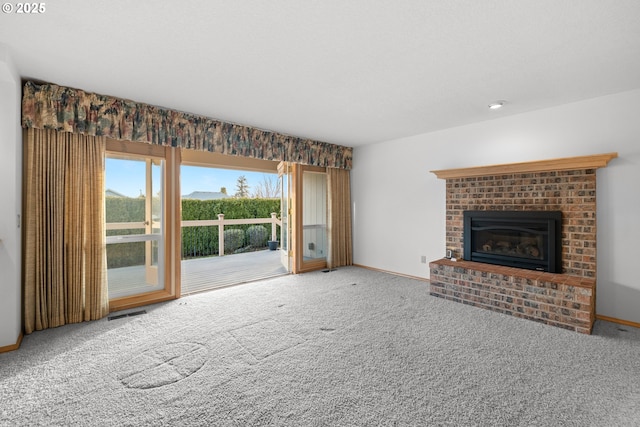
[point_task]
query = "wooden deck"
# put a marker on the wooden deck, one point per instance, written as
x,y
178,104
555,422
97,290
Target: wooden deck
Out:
x,y
214,272
202,274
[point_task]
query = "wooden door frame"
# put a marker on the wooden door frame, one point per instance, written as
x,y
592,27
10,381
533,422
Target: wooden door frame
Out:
x,y
171,240
299,265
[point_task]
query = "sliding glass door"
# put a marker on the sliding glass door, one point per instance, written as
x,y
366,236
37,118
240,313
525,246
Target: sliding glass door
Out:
x,y
284,177
314,216
134,224
309,218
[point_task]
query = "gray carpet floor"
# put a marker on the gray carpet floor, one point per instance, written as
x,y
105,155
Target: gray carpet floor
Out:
x,y
351,347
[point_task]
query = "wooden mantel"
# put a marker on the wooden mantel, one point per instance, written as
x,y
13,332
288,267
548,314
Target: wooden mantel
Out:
x,y
567,163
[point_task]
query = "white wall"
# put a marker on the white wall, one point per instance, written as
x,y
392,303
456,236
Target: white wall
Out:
x,y
10,201
399,206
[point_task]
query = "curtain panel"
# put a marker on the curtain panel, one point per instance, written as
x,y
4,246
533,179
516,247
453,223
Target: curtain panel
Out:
x,y
65,257
48,106
339,216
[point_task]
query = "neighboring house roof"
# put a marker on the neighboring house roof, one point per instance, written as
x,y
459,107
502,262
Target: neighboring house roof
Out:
x,y
205,195
111,193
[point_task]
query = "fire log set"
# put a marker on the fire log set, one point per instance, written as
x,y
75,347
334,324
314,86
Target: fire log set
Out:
x,y
525,248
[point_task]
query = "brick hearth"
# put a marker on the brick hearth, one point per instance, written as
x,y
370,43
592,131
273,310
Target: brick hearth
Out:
x,y
565,300
555,299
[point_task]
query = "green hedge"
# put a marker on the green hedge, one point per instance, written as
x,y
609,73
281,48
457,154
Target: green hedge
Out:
x,y
196,241
231,208
122,209
203,241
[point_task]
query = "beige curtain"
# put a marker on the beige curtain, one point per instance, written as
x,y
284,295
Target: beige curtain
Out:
x,y
340,243
65,257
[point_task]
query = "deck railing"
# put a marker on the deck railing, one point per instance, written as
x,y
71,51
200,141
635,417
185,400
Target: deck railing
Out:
x,y
220,223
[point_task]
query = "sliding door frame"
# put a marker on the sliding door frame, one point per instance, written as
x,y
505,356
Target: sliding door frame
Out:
x,y
299,264
171,225
172,212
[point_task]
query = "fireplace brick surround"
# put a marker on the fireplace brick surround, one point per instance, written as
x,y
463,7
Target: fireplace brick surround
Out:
x,y
565,300
555,299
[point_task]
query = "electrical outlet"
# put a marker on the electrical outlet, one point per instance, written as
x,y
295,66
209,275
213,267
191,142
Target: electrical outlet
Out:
x,y
423,259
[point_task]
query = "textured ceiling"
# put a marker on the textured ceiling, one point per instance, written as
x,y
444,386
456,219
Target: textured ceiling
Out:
x,y
348,72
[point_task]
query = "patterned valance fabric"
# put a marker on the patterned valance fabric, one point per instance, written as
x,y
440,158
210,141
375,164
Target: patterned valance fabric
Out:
x,y
48,106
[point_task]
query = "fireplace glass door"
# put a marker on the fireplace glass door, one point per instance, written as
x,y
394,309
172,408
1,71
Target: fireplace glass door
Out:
x,y
527,242
516,239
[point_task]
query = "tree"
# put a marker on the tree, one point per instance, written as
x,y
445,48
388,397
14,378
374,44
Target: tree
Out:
x,y
268,188
223,190
242,187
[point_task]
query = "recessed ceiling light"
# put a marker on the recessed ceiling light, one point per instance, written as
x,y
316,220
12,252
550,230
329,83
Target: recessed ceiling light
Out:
x,y
496,105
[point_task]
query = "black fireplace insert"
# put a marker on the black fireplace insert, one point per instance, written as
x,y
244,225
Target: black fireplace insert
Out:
x,y
523,239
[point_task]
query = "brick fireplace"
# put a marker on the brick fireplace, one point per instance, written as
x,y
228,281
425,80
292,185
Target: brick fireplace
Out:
x,y
565,299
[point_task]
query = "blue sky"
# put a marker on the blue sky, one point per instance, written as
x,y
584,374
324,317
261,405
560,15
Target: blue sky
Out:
x,y
127,177
194,178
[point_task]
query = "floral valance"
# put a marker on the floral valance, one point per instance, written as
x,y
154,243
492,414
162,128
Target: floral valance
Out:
x,y
48,106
